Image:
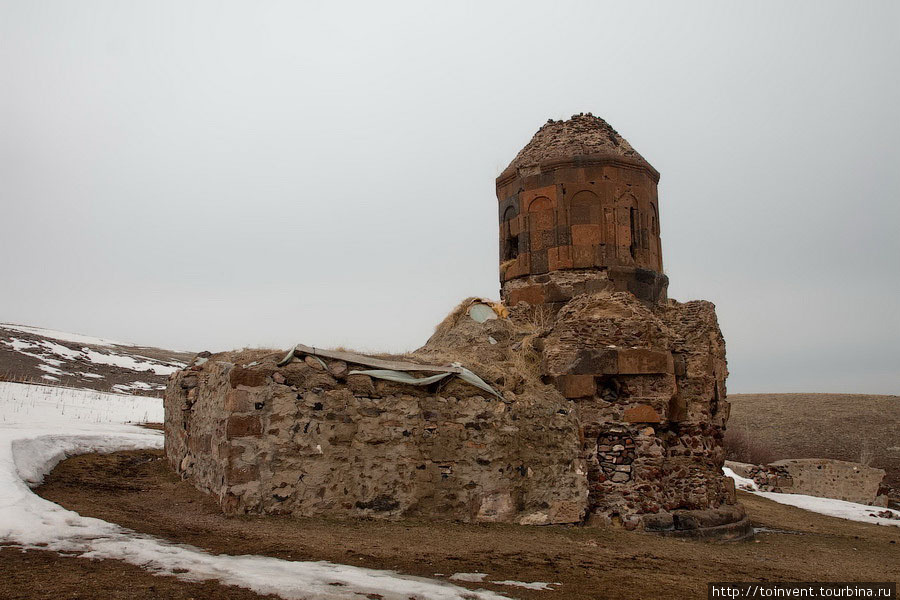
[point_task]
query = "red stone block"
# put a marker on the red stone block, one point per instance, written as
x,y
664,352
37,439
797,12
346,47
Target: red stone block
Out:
x,y
541,220
640,361
515,225
524,263
582,257
532,294
540,241
576,386
243,474
553,259
642,413
248,377
565,257
547,192
248,426
238,401
586,235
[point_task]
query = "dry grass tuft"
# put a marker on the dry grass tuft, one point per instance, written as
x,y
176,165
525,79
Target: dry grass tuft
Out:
x,y
451,319
740,446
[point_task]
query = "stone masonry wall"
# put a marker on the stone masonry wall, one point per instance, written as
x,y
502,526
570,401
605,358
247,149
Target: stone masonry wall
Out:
x,y
648,385
307,440
822,477
612,414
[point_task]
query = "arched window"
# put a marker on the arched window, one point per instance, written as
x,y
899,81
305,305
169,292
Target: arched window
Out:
x,y
510,249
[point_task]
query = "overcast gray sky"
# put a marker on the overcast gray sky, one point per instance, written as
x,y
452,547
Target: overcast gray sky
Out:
x,y
209,175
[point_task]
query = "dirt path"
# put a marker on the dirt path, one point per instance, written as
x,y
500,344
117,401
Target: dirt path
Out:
x,y
137,490
43,575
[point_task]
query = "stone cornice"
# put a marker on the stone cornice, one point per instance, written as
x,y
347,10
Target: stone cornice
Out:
x,y
588,160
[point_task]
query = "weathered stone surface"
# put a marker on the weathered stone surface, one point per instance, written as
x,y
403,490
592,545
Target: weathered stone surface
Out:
x,y
315,363
822,477
238,401
338,368
247,377
593,210
576,386
324,450
356,447
639,361
641,413
242,426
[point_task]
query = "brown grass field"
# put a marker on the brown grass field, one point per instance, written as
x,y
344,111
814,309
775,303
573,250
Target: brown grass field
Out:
x,y
852,427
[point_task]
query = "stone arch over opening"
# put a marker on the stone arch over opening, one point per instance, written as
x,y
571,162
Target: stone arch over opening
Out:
x,y
541,209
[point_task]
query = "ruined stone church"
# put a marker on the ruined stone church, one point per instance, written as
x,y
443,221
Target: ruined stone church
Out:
x,y
586,397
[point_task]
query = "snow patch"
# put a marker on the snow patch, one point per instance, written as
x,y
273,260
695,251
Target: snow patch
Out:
x,y
111,358
51,370
742,483
824,506
470,577
61,335
534,585
48,406
41,426
833,508
128,362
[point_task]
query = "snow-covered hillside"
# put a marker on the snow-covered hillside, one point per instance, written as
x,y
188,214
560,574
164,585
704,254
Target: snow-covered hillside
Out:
x,y
59,358
40,426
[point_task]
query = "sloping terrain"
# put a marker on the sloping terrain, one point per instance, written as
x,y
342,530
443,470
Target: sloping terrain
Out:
x,y
852,427
66,359
139,491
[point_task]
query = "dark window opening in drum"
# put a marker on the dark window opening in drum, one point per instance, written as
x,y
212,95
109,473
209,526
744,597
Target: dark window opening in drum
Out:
x,y
634,233
512,248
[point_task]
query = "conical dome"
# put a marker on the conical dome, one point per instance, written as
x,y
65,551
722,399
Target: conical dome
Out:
x,y
583,135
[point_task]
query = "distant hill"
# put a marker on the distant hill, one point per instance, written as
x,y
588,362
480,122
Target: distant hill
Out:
x,y
59,358
852,427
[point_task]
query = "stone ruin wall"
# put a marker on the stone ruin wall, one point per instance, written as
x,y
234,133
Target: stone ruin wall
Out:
x,y
306,440
822,477
648,383
626,433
